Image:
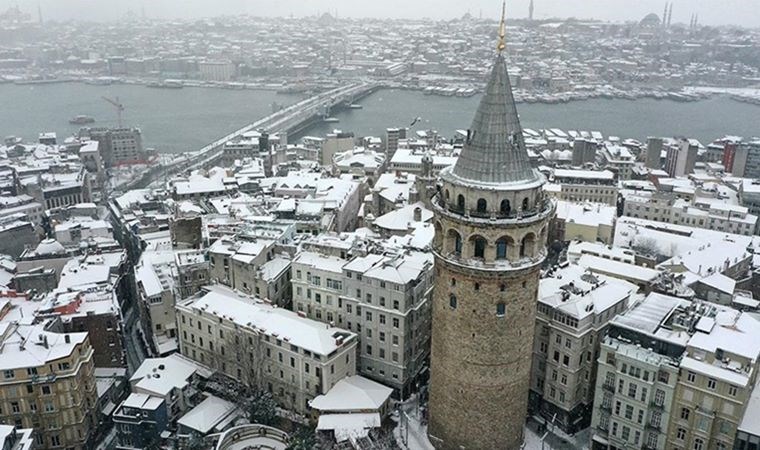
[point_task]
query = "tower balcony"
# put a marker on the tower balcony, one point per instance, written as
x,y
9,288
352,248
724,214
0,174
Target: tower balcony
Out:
x,y
499,265
541,211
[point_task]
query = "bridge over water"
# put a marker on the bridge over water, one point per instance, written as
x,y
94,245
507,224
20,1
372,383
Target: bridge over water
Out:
x,y
289,120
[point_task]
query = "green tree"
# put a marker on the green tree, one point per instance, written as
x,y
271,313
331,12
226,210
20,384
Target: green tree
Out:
x,y
302,439
261,408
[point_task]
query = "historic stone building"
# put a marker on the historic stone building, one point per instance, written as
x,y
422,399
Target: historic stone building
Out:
x,y
491,220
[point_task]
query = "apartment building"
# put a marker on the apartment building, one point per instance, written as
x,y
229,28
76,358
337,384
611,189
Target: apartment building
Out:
x,y
597,186
252,267
675,374
385,299
47,382
695,212
258,344
638,373
574,309
718,373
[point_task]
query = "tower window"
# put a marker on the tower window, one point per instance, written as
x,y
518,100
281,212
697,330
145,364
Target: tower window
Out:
x,y
525,204
453,281
503,287
501,309
460,202
501,248
453,301
505,208
482,205
477,286
479,247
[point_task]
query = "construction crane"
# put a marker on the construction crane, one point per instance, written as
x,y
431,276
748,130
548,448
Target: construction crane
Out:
x,y
118,105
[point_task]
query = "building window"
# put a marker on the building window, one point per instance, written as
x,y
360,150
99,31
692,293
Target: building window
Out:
x,y
452,301
501,309
460,202
699,444
505,208
501,248
711,383
482,205
479,247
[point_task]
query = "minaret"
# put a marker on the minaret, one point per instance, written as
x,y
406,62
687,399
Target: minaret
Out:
x,y
670,15
491,220
665,16
530,11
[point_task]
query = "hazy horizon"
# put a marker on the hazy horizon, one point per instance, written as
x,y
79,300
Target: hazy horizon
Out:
x,y
711,12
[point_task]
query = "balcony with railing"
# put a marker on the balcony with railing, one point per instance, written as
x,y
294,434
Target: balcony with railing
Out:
x,y
507,215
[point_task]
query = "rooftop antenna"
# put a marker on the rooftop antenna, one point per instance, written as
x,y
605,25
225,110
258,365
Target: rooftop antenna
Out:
x,y
502,44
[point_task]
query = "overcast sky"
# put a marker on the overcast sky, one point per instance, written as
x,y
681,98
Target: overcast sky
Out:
x,y
711,12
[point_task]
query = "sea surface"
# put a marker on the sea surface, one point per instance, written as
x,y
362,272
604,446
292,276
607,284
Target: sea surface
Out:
x,y
178,120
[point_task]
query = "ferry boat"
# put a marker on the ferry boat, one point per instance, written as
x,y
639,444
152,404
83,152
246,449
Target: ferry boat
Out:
x,y
82,120
355,106
168,84
331,119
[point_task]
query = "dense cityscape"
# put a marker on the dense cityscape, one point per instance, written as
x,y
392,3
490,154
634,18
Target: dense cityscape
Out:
x,y
284,287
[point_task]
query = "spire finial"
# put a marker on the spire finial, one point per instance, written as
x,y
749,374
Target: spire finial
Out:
x,y
502,29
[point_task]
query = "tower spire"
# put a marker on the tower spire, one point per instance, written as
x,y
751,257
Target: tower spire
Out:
x,y
502,29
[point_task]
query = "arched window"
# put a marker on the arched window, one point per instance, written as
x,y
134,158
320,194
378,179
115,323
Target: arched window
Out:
x,y
525,204
453,281
505,207
482,205
478,247
527,244
454,242
501,248
477,286
460,202
453,301
447,194
501,309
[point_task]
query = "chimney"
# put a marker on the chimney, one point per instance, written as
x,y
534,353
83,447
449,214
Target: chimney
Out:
x,y
418,214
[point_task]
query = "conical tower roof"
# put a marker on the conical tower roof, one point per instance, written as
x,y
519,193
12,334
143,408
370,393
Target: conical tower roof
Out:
x,y
494,152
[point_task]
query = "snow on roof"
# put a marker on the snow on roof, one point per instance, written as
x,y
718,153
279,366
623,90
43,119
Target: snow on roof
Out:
x,y
272,269
589,294
25,347
142,401
75,274
401,219
283,324
590,214
199,185
734,332
720,282
586,174
158,376
348,426
713,371
618,268
648,315
321,262
354,393
399,269
678,240
207,414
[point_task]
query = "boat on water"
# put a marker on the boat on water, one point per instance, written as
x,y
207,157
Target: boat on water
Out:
x,y
331,119
355,106
167,84
82,120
